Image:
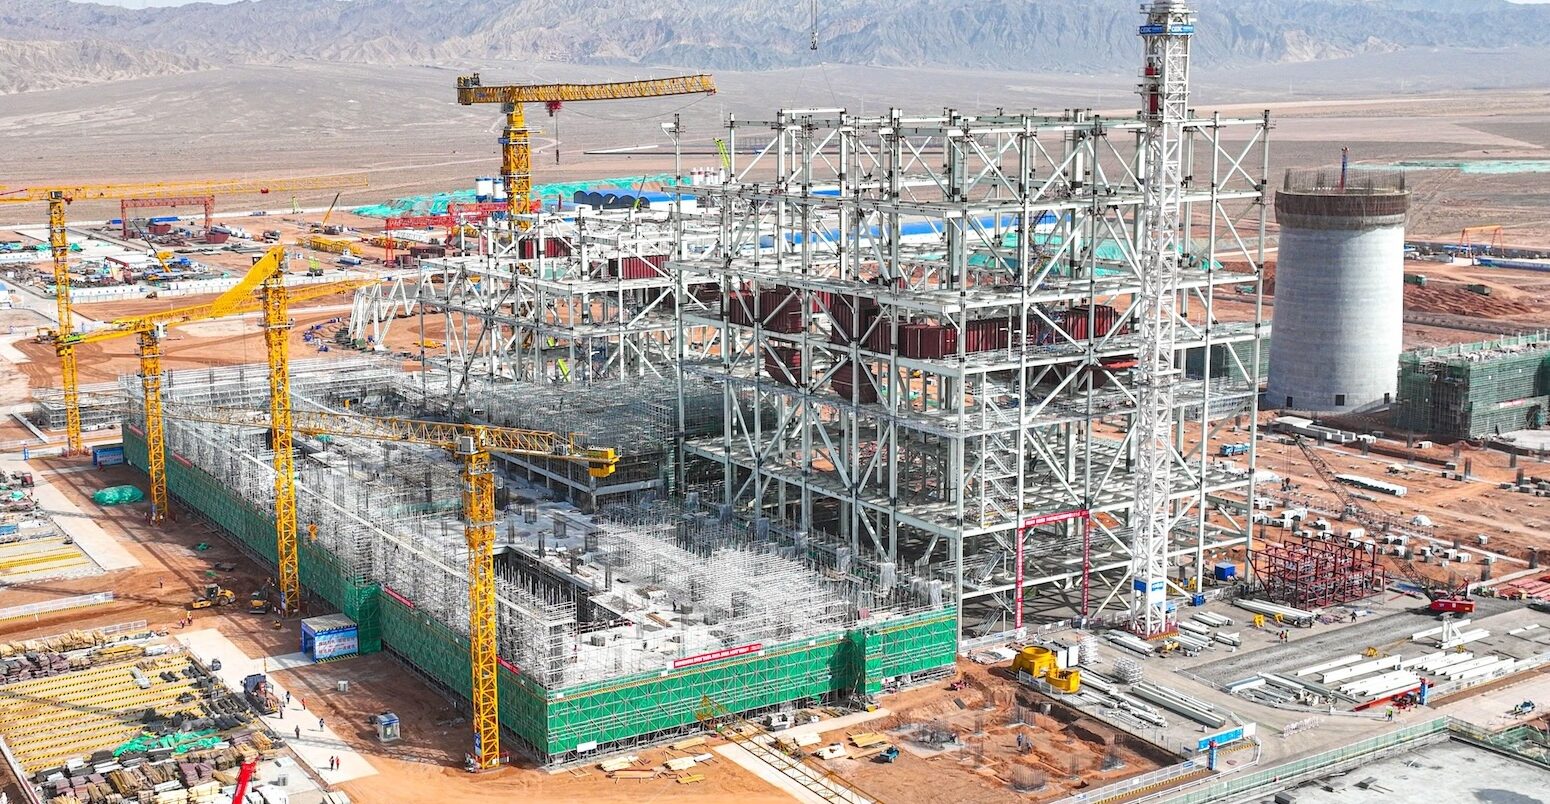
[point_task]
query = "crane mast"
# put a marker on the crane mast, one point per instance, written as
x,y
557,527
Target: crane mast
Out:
x,y
516,146
277,329
1165,107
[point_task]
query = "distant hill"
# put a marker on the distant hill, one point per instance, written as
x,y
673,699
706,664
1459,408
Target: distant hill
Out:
x,y
68,42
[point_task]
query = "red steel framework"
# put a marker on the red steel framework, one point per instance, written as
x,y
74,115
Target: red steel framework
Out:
x,y
126,204
1309,573
455,214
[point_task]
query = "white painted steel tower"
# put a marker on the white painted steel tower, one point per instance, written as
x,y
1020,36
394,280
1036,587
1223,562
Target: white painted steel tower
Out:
x,y
1164,108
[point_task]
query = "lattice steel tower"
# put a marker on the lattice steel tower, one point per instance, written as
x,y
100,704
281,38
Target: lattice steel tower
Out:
x,y
1165,101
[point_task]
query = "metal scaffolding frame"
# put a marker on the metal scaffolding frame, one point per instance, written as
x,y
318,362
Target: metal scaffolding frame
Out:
x,y
1012,233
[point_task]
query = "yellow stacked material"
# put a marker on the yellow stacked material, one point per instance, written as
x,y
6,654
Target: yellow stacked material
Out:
x,y
1067,681
112,653
332,245
61,643
1034,660
684,745
691,778
47,721
34,557
867,739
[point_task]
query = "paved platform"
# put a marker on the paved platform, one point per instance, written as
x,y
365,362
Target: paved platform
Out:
x,y
315,745
1491,710
102,549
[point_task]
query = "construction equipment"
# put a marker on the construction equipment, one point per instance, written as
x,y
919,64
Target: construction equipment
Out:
x,y
244,777
471,443
58,197
726,156
1351,507
813,7
149,330
1159,256
1525,708
1442,598
516,149
260,694
259,603
1469,245
888,755
213,595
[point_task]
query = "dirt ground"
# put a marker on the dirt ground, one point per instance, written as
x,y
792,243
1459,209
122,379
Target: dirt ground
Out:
x,y
1069,751
1515,524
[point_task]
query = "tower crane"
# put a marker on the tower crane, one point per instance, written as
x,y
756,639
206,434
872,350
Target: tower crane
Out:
x,y
472,444
1164,93
149,330
57,197
516,149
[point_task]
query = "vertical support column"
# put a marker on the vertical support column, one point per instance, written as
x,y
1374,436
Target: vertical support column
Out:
x,y
1165,99
277,330
516,164
155,434
479,534
59,248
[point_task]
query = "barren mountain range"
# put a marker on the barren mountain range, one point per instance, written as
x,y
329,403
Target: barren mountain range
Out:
x,y
50,43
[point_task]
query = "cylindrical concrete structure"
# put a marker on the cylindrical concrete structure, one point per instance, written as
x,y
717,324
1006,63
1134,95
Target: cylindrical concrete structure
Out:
x,y
1339,290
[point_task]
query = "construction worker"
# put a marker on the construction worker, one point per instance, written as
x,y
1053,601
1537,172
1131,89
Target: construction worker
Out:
x,y
298,732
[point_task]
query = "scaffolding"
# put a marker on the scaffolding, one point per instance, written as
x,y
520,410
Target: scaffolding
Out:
x,y
1313,573
1475,389
926,334
662,593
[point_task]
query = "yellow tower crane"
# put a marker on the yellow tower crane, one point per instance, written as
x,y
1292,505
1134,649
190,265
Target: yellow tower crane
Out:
x,y
149,330
58,196
516,149
472,444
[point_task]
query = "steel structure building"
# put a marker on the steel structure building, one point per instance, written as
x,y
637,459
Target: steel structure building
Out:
x,y
928,331
1339,289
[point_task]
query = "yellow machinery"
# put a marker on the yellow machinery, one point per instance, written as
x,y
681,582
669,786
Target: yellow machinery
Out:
x,y
1068,681
516,149
471,443
149,329
213,595
58,197
332,245
1034,660
1040,662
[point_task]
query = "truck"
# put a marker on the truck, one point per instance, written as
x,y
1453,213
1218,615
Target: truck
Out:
x,y
260,694
1232,450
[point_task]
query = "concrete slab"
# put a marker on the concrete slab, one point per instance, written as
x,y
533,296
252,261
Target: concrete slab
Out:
x,y
1490,710
785,783
101,548
833,724
315,745
1446,772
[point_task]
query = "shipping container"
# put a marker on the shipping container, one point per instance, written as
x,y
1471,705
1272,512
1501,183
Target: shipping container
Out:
x,y
852,317
635,267
985,335
780,310
553,247
849,386
927,341
784,365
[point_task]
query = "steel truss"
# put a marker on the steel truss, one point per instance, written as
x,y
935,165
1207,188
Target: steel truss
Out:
x,y
1018,225
574,299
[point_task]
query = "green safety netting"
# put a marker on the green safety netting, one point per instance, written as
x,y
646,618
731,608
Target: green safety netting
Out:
x,y
436,203
118,495
1481,166
181,742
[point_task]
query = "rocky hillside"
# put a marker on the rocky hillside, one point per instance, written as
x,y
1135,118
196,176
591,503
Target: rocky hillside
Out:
x,y
70,42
